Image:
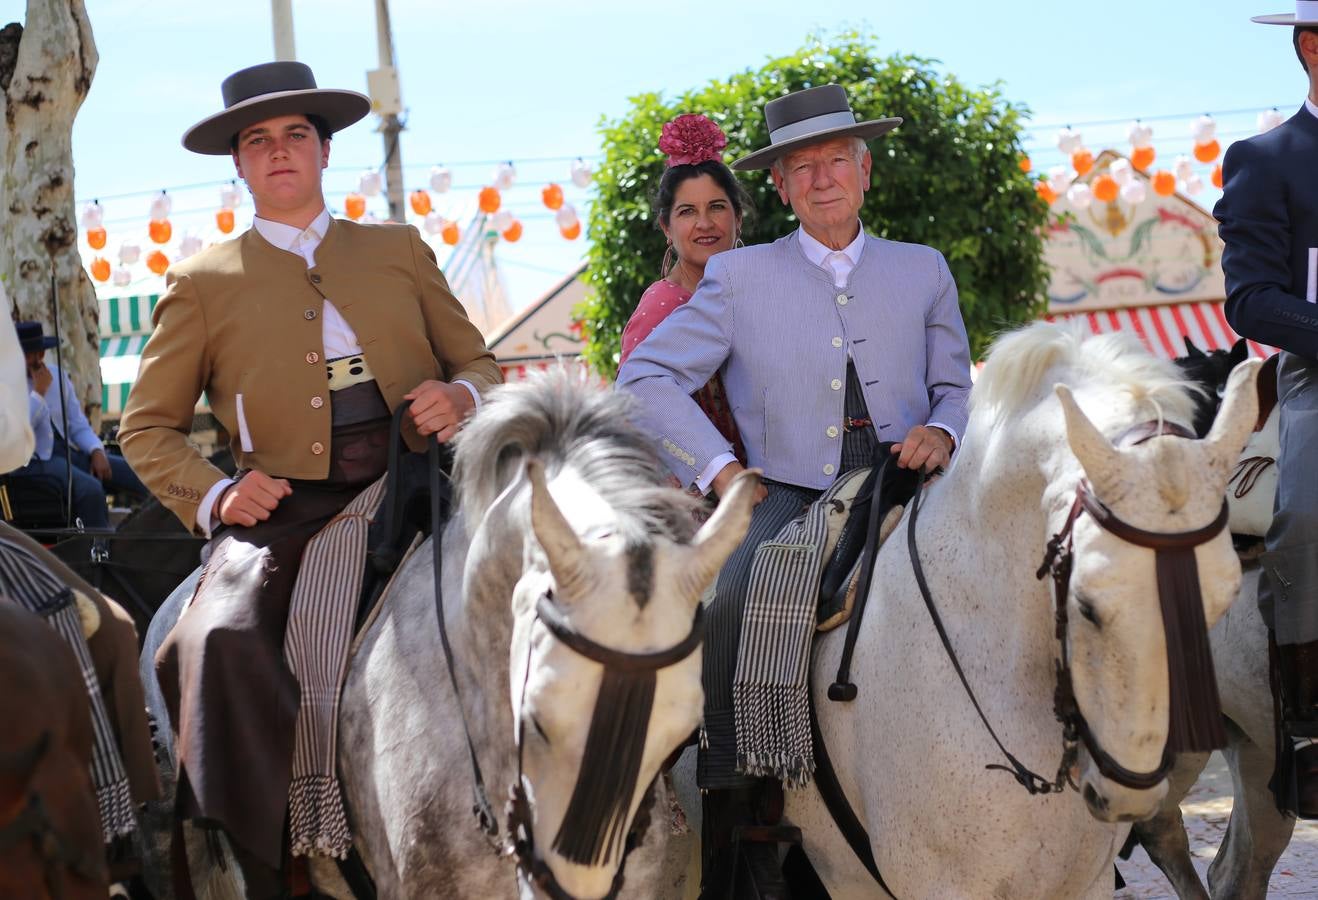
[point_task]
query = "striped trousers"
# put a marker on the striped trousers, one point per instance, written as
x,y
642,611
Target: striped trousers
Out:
x,y
723,618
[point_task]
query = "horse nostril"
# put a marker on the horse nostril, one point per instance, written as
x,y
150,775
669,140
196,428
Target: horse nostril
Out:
x,y
1095,799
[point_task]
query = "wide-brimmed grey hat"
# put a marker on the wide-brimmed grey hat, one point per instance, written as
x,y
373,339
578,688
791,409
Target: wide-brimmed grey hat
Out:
x,y
808,117
1305,15
269,90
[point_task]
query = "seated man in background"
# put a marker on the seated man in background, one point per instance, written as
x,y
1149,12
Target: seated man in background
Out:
x,y
72,432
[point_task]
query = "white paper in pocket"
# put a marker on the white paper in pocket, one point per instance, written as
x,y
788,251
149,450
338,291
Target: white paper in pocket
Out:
x,y
244,436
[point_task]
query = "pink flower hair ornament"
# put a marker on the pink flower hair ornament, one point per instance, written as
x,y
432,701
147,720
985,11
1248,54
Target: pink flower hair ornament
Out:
x,y
690,139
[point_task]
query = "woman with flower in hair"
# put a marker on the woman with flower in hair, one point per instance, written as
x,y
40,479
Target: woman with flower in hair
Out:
x,y
699,207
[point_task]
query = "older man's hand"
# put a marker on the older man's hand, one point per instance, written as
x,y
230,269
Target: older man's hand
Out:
x,y
439,408
723,483
100,465
925,447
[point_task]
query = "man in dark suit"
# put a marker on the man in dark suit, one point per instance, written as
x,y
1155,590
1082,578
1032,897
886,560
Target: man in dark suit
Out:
x,y
1269,222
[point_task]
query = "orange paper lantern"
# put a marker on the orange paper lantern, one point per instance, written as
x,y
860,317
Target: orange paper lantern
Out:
x,y
513,232
1164,183
96,238
354,206
552,195
1026,165
1082,161
1207,151
224,220
1105,188
489,200
1045,192
1217,176
160,231
157,262
420,202
101,268
450,234
1142,157
572,232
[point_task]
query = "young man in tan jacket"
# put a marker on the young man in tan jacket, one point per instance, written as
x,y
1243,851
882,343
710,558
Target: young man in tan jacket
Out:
x,y
304,333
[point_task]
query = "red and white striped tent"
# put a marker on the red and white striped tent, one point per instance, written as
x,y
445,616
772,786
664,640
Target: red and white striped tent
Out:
x,y
1153,267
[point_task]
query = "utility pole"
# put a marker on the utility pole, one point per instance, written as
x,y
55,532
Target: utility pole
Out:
x,y
281,15
387,102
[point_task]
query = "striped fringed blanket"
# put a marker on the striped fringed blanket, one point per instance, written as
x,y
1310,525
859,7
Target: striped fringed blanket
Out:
x,y
316,644
26,581
771,689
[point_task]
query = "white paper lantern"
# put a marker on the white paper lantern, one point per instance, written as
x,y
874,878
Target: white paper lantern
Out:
x,y
566,216
1184,168
1193,185
1059,179
371,219
1080,195
503,220
189,246
441,179
92,216
1204,129
370,183
1134,191
1268,120
504,176
1122,171
231,196
121,277
581,173
434,222
1140,135
1069,141
129,253
161,205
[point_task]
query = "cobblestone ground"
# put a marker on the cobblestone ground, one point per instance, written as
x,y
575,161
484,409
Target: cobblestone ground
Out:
x,y
1206,811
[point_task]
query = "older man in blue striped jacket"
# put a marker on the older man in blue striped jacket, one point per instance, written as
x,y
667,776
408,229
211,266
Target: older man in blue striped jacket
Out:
x,y
828,341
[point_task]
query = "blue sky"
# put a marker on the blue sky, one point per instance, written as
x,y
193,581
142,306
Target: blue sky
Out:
x,y
528,81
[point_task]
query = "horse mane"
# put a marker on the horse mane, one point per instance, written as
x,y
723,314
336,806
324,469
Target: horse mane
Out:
x,y
558,418
1018,361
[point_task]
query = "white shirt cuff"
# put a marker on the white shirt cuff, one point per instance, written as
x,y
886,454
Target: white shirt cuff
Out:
x,y
475,394
206,520
711,471
956,441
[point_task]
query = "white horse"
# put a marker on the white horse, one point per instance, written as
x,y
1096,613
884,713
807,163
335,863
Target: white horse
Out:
x,y
566,544
910,751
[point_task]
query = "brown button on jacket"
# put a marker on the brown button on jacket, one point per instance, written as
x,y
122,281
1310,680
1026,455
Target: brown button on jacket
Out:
x,y
233,323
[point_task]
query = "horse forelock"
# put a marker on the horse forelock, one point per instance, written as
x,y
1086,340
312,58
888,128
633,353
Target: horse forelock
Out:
x,y
1023,365
567,423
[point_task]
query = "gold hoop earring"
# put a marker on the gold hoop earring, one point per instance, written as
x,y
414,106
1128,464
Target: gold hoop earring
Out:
x,y
737,242
666,266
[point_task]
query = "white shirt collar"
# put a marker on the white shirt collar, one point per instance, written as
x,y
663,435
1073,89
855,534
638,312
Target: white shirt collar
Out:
x,y
817,253
1311,106
286,237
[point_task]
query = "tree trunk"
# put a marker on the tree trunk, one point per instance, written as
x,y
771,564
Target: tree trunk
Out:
x,y
46,68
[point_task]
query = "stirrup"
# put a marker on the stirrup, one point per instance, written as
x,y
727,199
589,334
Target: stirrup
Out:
x,y
763,884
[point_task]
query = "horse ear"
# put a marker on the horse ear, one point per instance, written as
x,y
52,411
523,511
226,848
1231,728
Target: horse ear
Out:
x,y
1192,351
567,558
1100,460
1239,352
719,536
1237,417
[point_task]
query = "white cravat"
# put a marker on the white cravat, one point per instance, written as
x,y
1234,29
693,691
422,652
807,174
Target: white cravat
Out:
x,y
839,262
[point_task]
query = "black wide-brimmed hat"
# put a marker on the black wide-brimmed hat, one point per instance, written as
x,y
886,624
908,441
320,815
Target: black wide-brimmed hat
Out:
x,y
1305,15
808,117
269,90
32,337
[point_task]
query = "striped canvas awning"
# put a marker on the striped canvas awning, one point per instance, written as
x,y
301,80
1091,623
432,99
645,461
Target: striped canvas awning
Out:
x,y
125,329
1164,328
121,316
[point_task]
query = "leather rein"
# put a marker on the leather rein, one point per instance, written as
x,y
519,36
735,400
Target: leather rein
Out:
x,y
519,819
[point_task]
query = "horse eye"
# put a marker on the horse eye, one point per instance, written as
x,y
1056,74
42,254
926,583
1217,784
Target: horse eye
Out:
x,y
1087,610
539,730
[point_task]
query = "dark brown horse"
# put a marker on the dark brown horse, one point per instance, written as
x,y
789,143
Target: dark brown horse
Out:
x,y
50,831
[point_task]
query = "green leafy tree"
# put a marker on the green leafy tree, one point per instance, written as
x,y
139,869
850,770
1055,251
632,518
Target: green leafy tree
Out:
x,y
950,177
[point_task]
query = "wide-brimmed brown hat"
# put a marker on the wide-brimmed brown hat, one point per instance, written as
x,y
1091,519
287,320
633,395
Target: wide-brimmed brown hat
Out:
x,y
269,90
1305,15
808,117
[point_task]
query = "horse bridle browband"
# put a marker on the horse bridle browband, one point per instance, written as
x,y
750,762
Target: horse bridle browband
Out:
x,y
634,665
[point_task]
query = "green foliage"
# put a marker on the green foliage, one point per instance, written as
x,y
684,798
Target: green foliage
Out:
x,y
949,177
